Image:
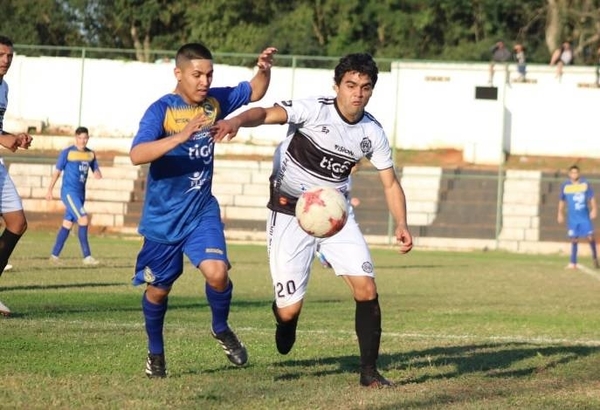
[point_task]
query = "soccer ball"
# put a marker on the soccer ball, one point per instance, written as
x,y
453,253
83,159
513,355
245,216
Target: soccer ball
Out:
x,y
322,211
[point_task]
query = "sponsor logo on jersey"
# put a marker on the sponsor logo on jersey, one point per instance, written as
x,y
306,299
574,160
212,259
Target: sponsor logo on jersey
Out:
x,y
344,150
196,182
574,188
214,250
336,169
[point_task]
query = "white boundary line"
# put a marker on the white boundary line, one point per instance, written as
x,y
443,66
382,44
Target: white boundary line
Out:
x,y
534,340
592,272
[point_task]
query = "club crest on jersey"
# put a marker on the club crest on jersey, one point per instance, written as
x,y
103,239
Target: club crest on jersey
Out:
x,y
209,109
367,267
366,145
149,275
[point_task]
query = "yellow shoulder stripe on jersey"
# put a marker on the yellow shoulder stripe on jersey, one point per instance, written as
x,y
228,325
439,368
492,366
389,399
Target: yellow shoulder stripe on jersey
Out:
x,y
575,188
80,156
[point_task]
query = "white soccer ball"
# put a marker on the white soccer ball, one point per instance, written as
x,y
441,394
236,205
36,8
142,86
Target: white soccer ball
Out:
x,y
322,211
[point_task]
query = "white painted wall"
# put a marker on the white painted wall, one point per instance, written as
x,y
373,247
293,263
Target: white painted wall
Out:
x,y
422,105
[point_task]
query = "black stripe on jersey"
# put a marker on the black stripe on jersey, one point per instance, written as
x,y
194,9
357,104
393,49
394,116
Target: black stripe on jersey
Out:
x,y
317,161
326,100
370,116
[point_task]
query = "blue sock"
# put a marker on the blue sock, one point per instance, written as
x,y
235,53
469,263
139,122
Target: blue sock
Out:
x,y
574,252
219,305
83,241
594,251
61,238
154,316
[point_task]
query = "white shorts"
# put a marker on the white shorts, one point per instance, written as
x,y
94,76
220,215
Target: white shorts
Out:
x,y
291,252
10,201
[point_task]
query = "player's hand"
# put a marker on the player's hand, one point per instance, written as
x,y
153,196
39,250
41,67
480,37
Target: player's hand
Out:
x,y
560,219
194,125
593,214
24,140
9,141
404,239
265,59
49,195
225,129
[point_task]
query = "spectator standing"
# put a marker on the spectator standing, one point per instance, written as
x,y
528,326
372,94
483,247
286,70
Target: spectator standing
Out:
x,y
521,62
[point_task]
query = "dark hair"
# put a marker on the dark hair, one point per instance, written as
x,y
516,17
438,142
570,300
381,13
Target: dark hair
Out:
x,y
192,51
362,63
572,167
81,130
6,41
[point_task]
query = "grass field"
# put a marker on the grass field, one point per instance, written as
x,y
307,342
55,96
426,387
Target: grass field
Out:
x,y
480,330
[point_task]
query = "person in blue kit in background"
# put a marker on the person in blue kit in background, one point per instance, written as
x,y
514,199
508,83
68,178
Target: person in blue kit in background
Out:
x,y
180,214
577,196
74,163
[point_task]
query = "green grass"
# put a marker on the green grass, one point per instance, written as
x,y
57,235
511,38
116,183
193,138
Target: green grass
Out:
x,y
478,330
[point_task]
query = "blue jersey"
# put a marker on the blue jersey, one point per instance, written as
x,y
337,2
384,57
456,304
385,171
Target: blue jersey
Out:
x,y
75,165
179,184
577,196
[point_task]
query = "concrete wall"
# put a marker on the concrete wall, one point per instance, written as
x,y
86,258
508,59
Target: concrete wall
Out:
x,y
421,105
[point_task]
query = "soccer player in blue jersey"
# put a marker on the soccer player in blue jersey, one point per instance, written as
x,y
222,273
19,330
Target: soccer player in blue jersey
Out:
x,y
180,214
74,163
577,197
11,206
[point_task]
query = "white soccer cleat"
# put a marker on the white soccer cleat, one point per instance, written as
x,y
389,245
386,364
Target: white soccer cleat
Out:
x,y
7,268
90,261
4,310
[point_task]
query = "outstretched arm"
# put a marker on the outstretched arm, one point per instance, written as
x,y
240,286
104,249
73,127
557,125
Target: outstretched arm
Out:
x,y
262,78
253,117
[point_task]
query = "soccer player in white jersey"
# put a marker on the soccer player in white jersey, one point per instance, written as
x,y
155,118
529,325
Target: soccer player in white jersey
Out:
x,y
11,206
327,137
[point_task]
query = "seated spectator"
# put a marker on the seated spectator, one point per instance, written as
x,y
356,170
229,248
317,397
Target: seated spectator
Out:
x,y
500,54
562,56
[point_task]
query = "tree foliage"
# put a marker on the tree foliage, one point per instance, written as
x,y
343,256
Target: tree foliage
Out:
x,y
410,29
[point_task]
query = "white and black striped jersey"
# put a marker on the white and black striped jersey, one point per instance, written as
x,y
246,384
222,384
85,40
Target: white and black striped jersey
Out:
x,y
321,148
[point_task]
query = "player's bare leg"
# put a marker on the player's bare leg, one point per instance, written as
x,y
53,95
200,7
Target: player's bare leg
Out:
x,y
368,329
286,323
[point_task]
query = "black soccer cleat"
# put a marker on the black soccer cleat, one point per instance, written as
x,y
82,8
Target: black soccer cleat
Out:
x,y
156,366
234,349
373,379
285,333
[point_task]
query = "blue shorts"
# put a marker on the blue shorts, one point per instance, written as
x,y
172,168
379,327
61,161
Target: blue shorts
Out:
x,y
74,204
161,264
580,229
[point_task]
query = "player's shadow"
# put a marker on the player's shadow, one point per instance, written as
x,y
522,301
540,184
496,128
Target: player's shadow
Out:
x,y
506,360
